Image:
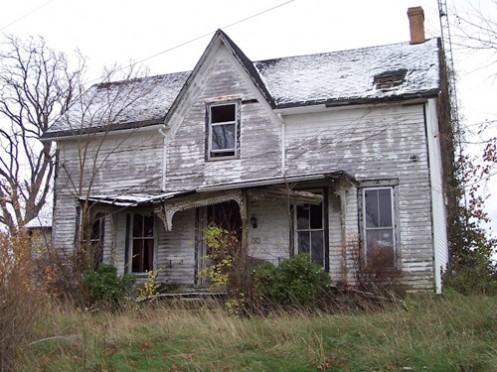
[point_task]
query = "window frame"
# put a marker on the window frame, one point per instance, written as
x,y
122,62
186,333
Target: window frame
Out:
x,y
394,220
215,155
96,242
131,239
324,228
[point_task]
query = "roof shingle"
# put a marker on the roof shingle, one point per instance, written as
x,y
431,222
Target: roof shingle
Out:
x,y
337,77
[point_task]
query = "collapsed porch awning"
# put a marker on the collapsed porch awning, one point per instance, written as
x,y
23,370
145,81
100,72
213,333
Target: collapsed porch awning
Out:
x,y
131,200
167,204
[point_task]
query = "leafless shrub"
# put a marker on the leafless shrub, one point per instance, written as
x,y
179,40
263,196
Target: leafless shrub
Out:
x,y
21,301
376,271
56,274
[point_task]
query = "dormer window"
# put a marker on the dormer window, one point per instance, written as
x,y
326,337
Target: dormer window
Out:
x,y
223,130
390,79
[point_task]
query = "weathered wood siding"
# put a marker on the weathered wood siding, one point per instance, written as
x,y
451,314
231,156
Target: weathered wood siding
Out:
x,y
270,240
343,234
126,163
369,144
176,249
441,251
260,138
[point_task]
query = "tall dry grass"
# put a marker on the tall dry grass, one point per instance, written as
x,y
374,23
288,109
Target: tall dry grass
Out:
x,y
21,300
437,334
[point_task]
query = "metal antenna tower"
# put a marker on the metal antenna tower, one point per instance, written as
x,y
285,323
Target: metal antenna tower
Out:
x,y
443,14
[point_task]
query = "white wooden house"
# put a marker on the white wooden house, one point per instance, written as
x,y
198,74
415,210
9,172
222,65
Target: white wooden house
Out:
x,y
330,154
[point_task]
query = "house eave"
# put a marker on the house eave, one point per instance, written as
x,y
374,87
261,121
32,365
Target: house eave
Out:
x,y
275,181
343,103
121,128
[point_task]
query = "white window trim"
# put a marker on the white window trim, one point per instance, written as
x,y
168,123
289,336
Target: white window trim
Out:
x,y
235,150
394,221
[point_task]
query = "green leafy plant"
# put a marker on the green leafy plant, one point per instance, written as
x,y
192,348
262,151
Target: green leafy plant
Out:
x,y
471,268
105,286
296,281
223,246
150,288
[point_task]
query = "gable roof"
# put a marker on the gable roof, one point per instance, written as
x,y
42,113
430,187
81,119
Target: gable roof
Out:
x,y
245,62
125,104
348,76
335,78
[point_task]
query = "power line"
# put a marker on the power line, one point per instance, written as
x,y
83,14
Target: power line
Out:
x,y
25,15
201,36
211,32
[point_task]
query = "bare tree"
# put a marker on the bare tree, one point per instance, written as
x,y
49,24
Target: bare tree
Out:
x,y
93,150
36,87
477,27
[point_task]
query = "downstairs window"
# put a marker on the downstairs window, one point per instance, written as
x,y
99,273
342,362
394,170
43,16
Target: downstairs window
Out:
x,y
310,232
379,226
142,243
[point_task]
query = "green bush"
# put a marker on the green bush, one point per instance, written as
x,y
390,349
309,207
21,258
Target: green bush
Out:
x,y
478,276
296,281
105,286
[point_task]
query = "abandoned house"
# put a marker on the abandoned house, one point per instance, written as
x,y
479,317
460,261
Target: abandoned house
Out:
x,y
339,155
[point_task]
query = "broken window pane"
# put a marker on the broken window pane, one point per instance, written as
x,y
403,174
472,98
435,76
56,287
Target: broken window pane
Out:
x,y
317,216
223,113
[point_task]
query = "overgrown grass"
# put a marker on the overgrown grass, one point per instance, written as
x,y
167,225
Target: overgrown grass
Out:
x,y
447,333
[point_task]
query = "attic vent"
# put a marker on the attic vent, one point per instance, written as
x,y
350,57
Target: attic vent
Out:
x,y
389,79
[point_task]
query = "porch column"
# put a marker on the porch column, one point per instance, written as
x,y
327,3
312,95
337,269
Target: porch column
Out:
x,y
243,204
342,194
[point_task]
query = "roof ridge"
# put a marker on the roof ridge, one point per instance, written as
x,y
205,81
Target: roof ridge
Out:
x,y
341,50
136,79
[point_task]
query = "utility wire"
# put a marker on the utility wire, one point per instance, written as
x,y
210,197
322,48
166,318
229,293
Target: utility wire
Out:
x,y
25,15
198,37
211,32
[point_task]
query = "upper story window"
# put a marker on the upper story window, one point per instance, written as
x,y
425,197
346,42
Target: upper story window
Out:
x,y
223,131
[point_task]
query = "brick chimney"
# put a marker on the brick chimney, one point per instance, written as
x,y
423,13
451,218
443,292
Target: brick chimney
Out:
x,y
416,24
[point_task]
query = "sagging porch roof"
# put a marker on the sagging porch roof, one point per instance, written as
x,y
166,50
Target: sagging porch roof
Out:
x,y
130,200
141,199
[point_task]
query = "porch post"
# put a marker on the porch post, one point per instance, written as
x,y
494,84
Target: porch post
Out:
x,y
245,226
342,194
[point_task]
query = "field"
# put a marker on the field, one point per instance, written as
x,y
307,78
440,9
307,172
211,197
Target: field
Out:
x,y
449,333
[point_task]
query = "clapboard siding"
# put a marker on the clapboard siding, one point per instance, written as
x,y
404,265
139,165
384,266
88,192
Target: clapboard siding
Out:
x,y
176,250
125,163
269,241
260,138
373,143
369,143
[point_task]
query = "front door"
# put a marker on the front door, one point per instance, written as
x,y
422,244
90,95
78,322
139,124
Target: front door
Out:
x,y
224,215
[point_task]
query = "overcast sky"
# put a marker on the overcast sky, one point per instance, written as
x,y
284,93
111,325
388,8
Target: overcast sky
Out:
x,y
120,31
